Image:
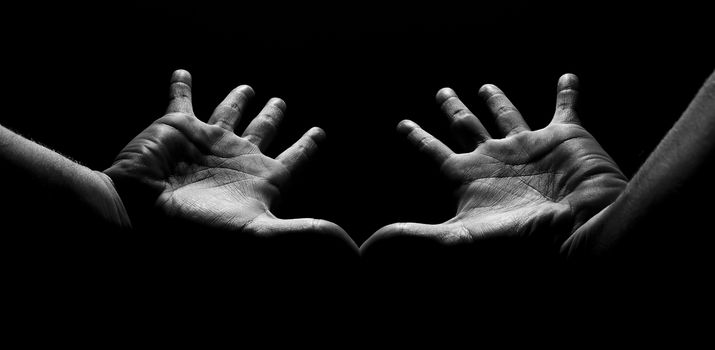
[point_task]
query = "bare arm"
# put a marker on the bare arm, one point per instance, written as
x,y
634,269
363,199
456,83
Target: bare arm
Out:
x,y
683,154
56,173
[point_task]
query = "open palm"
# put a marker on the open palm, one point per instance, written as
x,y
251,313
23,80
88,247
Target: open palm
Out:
x,y
543,183
206,173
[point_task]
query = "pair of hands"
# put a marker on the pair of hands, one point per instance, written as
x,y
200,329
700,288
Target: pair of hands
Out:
x,y
545,182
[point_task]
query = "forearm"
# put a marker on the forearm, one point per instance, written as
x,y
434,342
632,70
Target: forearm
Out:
x,y
56,173
680,158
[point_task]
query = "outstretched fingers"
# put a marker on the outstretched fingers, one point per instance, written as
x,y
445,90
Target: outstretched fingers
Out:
x,y
507,117
566,100
229,111
424,142
464,124
180,93
263,128
301,151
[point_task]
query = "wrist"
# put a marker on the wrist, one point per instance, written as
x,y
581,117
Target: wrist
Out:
x,y
110,206
591,240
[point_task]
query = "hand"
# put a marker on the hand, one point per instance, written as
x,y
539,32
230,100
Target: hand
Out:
x,y
529,183
206,173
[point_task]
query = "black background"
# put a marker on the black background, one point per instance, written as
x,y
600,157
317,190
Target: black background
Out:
x,y
84,80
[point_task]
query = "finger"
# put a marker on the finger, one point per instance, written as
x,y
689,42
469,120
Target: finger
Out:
x,y
297,154
306,226
441,233
464,124
228,113
263,127
566,100
425,142
180,93
507,117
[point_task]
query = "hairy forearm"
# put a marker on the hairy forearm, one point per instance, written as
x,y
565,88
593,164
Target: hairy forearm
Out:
x,y
669,170
56,173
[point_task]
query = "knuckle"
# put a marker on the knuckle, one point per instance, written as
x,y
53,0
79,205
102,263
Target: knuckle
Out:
x,y
505,109
425,142
460,115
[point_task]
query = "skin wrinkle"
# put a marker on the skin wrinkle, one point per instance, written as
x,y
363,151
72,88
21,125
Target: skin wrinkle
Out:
x,y
503,190
234,104
139,153
589,173
425,142
298,155
566,99
254,136
183,119
462,114
446,103
274,179
502,111
493,225
153,148
178,129
231,181
469,179
222,123
524,151
533,158
179,90
462,235
535,189
219,166
172,193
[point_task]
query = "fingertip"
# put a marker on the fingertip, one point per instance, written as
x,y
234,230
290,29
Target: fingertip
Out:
x,y
317,134
488,90
181,76
444,94
406,126
245,90
278,103
568,81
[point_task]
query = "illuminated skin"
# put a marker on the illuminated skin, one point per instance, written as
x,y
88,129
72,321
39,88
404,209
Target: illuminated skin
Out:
x,y
556,183
205,172
545,182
